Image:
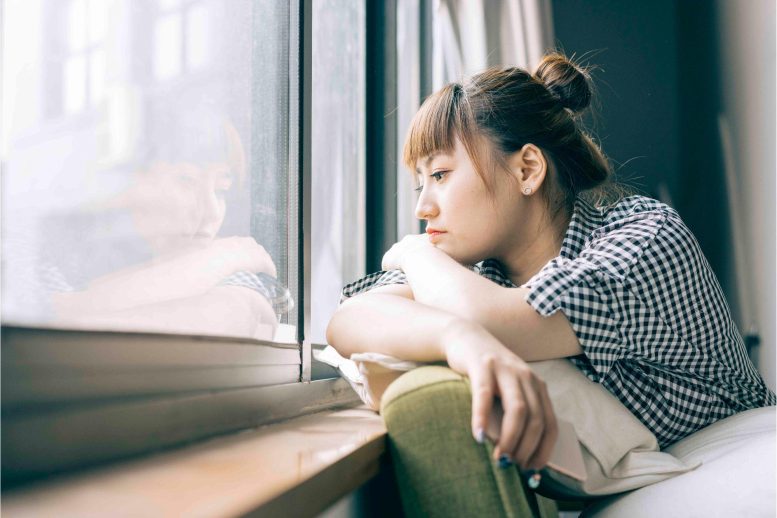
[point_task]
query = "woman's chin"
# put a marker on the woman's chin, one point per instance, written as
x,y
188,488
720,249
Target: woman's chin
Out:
x,y
457,255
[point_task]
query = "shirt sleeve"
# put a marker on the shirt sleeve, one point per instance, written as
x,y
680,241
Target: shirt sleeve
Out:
x,y
595,290
276,294
373,280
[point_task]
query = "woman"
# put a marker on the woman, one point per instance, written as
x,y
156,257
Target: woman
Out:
x,y
522,262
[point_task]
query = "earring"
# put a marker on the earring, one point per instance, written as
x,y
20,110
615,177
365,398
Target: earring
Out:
x,y
527,190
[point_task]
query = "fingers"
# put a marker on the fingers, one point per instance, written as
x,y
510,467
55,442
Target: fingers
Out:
x,y
516,414
542,453
528,429
482,399
259,258
534,430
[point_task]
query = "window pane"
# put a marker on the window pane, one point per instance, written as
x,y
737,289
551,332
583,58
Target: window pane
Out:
x,y
198,44
97,71
167,46
168,4
163,208
337,154
76,28
75,83
98,19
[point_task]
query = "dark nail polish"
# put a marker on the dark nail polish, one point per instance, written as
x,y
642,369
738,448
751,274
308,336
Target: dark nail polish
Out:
x,y
504,461
533,478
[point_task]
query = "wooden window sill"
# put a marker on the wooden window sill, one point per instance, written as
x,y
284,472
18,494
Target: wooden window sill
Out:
x,y
296,468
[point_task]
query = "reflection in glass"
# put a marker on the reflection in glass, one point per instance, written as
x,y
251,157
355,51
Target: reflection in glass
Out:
x,y
197,37
137,214
75,84
167,46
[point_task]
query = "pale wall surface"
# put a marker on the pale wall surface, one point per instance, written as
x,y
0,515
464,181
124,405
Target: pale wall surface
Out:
x,y
747,46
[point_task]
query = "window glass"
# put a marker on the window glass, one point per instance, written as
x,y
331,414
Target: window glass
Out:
x,y
145,184
338,98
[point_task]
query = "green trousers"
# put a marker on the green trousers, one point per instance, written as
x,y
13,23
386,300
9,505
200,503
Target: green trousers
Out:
x,y
441,470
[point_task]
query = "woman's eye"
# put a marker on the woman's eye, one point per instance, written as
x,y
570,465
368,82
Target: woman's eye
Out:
x,y
437,177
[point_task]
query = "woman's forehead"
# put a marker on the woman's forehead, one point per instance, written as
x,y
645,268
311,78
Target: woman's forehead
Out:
x,y
425,162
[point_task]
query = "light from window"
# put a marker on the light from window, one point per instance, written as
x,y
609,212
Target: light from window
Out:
x,y
167,46
76,30
198,44
165,209
75,83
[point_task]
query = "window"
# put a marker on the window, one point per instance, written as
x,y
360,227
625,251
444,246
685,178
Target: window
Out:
x,y
182,37
84,64
164,206
152,245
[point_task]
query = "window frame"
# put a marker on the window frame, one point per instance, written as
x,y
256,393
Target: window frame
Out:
x,y
46,431
381,123
165,401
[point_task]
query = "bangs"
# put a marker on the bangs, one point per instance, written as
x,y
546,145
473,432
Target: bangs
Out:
x,y
434,127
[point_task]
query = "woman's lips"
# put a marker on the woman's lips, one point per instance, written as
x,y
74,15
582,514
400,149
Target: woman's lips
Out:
x,y
434,234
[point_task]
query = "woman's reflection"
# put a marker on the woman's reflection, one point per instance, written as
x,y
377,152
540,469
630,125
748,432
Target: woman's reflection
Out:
x,y
195,281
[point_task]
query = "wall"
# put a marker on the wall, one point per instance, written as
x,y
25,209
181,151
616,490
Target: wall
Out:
x,y
634,45
747,50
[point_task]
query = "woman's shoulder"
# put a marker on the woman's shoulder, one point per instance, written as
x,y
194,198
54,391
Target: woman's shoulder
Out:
x,y
632,215
627,229
635,207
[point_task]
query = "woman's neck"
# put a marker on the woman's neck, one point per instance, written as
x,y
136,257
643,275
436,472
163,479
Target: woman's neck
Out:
x,y
540,243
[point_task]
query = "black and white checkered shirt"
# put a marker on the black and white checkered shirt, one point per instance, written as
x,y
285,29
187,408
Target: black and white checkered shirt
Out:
x,y
648,312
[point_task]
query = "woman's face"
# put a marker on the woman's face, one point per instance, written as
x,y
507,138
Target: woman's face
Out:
x,y
180,204
474,223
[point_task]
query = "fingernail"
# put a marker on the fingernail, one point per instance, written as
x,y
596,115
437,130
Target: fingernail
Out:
x,y
480,436
533,478
504,461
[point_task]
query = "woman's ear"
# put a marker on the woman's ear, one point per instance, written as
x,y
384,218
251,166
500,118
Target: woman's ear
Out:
x,y
529,167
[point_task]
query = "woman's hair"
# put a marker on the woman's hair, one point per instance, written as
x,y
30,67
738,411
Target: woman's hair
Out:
x,y
510,107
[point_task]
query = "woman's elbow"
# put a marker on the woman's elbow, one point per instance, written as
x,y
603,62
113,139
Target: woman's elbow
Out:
x,y
335,331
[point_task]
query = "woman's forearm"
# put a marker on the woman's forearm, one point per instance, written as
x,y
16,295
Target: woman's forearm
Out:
x,y
439,281
392,325
224,310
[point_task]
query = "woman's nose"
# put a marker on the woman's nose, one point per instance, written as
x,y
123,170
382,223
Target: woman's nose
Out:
x,y
212,213
426,208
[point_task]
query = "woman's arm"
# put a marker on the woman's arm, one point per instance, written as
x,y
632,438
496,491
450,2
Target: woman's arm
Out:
x,y
397,326
439,281
187,274
221,311
389,324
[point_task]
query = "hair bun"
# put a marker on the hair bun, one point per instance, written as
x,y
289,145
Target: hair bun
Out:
x,y
566,81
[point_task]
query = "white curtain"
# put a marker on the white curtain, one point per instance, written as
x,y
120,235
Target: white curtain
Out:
x,y
471,35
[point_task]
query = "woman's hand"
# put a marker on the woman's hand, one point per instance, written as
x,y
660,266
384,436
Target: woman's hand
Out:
x,y
528,429
397,254
242,254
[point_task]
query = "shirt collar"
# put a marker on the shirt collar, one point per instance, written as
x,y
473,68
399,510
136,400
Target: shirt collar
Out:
x,y
585,219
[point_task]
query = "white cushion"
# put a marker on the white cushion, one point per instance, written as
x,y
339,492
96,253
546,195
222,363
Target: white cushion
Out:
x,y
736,478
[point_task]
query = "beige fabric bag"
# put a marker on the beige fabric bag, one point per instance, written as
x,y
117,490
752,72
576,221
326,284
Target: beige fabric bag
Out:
x,y
619,452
